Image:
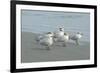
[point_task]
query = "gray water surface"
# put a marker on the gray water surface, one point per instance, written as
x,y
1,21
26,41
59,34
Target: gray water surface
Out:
x,y
44,21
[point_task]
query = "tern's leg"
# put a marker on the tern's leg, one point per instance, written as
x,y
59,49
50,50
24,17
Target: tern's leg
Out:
x,y
48,47
64,44
77,42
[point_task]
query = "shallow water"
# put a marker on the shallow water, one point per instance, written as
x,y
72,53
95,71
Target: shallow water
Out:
x,y
44,21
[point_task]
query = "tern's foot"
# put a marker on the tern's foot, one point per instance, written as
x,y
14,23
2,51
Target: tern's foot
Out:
x,y
64,45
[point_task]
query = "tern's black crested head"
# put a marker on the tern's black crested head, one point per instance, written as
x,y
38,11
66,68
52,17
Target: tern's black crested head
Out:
x,y
61,29
80,33
49,32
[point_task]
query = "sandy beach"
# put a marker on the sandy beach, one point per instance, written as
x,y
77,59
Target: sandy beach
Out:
x,y
31,51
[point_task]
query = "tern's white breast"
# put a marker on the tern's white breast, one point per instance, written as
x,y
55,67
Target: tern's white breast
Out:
x,y
63,38
78,36
47,41
59,34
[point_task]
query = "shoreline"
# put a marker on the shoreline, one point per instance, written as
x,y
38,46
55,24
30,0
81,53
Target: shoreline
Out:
x,y
31,51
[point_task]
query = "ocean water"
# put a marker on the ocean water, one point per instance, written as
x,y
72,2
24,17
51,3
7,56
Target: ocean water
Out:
x,y
44,21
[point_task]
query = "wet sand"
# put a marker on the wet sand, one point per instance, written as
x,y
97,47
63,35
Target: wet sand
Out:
x,y
31,51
